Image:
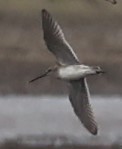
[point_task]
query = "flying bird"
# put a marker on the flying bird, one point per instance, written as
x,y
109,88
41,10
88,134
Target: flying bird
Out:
x,y
112,1
69,68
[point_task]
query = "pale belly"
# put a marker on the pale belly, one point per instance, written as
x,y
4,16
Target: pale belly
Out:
x,y
71,72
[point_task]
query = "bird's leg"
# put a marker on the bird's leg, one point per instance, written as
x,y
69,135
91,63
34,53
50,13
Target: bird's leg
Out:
x,y
50,69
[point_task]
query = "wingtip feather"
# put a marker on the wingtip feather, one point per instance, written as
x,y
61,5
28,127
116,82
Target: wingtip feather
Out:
x,y
44,10
95,132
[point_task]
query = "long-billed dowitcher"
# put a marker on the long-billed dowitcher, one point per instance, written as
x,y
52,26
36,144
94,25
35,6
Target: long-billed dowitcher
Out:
x,y
68,68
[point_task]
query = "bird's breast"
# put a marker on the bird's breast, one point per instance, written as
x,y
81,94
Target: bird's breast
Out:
x,y
70,72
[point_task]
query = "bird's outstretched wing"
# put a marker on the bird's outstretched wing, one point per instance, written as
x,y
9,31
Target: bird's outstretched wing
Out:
x,y
56,42
79,97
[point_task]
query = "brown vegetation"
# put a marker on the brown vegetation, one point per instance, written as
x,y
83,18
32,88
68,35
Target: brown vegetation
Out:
x,y
14,144
92,27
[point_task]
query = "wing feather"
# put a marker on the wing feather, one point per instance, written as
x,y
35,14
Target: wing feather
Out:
x,y
79,97
55,40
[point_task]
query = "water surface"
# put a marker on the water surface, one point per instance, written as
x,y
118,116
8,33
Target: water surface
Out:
x,y
51,117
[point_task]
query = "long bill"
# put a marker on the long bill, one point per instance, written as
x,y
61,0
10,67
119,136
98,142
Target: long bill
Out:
x,y
42,75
